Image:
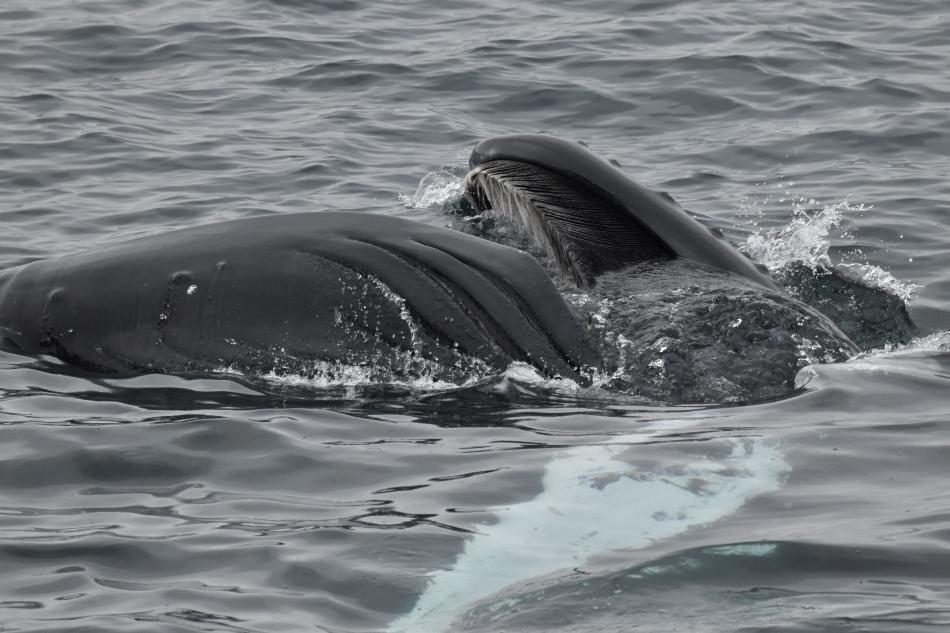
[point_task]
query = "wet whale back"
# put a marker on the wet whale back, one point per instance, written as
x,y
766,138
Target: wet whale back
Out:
x,y
278,291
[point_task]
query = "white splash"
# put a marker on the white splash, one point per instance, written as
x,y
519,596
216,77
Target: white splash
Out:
x,y
526,374
326,375
435,188
594,500
804,239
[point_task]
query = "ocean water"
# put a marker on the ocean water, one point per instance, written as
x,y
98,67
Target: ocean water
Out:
x,y
812,132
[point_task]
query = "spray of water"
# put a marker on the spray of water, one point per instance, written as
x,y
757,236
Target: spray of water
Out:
x,y
804,239
436,188
807,238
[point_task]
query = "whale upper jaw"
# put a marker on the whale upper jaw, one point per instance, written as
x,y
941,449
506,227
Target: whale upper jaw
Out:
x,y
588,214
582,233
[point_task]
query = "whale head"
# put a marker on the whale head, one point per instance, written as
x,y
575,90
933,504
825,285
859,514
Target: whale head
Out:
x,y
676,313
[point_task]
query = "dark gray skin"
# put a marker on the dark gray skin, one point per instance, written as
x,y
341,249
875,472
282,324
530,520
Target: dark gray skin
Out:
x,y
316,294
278,292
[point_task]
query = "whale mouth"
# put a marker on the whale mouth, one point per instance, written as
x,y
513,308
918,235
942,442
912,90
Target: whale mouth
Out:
x,y
589,214
584,233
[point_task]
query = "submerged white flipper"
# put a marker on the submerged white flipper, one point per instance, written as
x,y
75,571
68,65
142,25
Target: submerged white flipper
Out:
x,y
594,501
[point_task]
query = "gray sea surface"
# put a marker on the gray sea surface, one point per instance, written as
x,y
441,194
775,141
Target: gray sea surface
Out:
x,y
810,132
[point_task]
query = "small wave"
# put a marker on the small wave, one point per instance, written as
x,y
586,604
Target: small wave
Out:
x,y
932,343
426,377
526,374
330,375
876,277
880,378
326,376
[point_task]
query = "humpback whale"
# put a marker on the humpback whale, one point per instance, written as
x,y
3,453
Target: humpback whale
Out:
x,y
301,293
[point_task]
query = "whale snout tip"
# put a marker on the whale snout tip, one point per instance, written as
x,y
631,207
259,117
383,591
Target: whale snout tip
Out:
x,y
532,148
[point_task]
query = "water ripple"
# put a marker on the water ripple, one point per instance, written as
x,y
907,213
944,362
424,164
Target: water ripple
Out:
x,y
225,504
